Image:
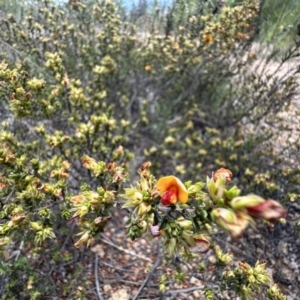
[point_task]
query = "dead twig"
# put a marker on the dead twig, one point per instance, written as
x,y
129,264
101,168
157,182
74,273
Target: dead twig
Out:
x,y
155,266
99,294
131,253
182,291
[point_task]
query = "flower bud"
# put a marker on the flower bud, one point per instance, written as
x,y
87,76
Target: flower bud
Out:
x,y
202,244
46,188
15,220
84,238
111,166
120,150
134,232
144,184
246,268
262,279
146,166
82,211
269,210
184,223
232,193
77,200
154,230
233,223
101,221
143,208
88,162
36,226
109,196
4,241
91,196
2,186
18,218
215,189
118,176
246,201
225,174
143,225
133,194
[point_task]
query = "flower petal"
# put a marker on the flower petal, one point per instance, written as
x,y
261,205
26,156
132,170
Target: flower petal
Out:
x,y
165,183
183,195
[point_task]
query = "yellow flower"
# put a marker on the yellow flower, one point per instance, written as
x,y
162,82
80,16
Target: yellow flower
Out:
x,y
172,189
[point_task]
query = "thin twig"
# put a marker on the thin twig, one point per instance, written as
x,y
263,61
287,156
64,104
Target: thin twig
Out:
x,y
155,266
68,237
99,294
188,290
131,253
123,280
208,282
116,268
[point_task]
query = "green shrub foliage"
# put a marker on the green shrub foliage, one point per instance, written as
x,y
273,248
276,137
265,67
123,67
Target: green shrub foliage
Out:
x,y
87,98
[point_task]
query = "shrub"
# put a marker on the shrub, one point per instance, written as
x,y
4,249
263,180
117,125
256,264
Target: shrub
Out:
x,y
87,98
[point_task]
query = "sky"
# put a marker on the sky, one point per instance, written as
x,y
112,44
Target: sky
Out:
x,y
129,3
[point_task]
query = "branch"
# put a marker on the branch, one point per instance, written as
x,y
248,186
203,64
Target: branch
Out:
x,y
188,290
68,237
132,253
100,297
155,266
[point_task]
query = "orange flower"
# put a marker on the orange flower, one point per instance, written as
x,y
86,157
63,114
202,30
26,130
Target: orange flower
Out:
x,y
172,190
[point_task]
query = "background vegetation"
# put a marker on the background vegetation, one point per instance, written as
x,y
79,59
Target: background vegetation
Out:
x,y
191,88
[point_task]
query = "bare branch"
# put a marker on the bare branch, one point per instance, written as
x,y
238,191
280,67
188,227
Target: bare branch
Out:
x,y
132,253
155,266
99,294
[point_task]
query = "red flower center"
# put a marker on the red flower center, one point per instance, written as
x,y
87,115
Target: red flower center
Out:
x,y
168,197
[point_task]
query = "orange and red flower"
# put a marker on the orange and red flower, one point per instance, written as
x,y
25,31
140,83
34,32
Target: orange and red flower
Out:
x,y
172,190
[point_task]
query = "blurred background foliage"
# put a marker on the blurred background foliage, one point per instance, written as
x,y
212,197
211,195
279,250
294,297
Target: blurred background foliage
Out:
x,y
190,86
